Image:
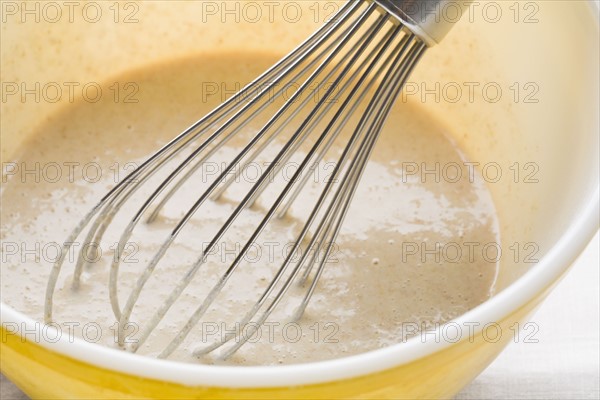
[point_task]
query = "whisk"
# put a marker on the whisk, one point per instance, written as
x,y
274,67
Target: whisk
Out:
x,y
344,80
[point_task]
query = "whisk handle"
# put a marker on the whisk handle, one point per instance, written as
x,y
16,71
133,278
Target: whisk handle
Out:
x,y
431,20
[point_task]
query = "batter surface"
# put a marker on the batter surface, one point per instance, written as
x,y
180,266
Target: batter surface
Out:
x,y
409,256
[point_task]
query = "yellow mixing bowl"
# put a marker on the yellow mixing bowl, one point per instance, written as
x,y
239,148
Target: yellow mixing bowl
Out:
x,y
532,70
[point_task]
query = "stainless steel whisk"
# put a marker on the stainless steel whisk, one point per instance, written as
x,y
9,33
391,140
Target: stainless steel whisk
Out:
x,y
360,59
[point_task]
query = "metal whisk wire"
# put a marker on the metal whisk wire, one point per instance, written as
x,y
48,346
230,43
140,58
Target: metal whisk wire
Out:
x,y
183,283
141,174
366,53
287,149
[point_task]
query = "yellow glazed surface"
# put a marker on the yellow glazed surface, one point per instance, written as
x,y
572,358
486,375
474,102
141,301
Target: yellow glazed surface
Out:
x,y
45,374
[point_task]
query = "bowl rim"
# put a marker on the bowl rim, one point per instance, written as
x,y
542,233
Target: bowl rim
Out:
x,y
541,276
547,271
